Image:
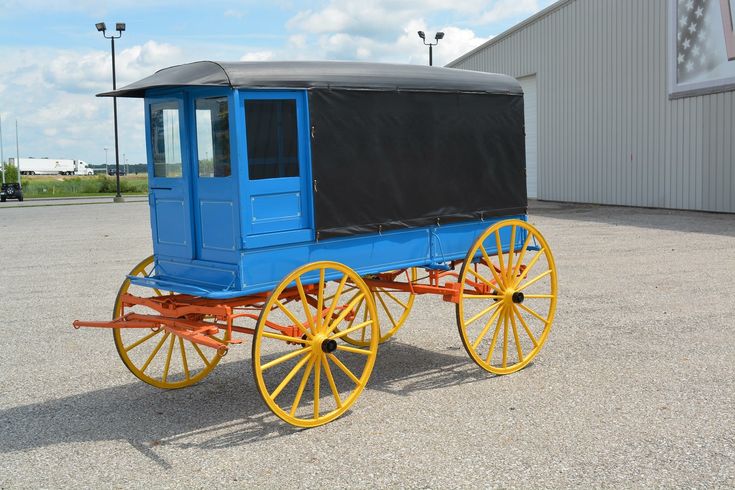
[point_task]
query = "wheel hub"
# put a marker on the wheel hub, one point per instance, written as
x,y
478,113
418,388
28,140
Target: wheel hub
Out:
x,y
329,345
517,297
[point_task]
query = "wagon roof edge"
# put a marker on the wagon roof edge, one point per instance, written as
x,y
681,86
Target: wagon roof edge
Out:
x,y
320,74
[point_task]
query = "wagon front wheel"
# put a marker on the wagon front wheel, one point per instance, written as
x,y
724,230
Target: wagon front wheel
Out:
x,y
303,370
508,296
155,356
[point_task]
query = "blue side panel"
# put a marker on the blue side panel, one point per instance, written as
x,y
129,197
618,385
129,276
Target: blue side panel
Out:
x,y
262,269
171,218
219,217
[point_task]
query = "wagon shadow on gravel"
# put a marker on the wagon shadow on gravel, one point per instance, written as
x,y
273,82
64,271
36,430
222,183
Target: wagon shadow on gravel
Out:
x,y
222,411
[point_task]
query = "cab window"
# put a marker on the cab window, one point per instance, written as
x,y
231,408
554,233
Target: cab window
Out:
x,y
166,139
213,136
272,138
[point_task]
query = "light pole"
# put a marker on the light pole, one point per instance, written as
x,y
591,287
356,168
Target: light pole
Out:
x,y
439,36
119,27
106,158
2,153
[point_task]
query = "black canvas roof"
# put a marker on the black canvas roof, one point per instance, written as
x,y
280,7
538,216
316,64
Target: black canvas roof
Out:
x,y
321,74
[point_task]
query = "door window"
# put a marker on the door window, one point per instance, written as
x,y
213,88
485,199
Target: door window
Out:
x,y
166,139
213,137
272,138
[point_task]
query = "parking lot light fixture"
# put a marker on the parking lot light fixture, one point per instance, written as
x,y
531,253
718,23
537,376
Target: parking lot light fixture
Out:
x,y
437,37
119,27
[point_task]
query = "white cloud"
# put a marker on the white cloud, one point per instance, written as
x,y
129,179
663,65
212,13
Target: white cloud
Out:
x,y
257,56
52,94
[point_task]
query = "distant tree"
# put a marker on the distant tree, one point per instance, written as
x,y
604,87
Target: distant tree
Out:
x,y
11,173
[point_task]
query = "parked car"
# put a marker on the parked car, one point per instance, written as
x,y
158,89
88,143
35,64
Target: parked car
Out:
x,y
111,171
11,191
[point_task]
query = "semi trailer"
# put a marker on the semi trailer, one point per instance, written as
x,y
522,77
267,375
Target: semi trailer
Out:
x,y
52,166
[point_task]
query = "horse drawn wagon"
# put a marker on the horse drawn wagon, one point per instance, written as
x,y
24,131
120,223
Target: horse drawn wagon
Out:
x,y
308,204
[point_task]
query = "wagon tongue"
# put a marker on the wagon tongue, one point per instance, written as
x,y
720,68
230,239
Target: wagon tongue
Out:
x,y
198,332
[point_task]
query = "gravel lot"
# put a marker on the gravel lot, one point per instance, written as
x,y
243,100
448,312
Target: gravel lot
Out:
x,y
635,387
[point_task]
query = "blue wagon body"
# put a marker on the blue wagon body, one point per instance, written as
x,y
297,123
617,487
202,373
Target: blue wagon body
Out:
x,y
232,235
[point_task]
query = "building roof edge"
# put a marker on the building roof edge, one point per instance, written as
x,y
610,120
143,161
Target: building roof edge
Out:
x,y
531,20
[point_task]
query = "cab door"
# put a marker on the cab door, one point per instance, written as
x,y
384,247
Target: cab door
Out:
x,y
278,180
214,178
169,171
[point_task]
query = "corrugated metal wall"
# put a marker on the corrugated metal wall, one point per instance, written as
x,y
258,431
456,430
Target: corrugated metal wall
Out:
x,y
608,132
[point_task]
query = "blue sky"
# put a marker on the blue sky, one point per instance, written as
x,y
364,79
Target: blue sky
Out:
x,y
54,61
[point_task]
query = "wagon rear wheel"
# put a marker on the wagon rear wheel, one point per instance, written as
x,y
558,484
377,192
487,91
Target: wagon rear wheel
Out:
x,y
392,307
508,296
159,358
303,370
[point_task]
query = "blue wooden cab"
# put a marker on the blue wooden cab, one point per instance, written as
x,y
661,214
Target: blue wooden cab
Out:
x,y
232,187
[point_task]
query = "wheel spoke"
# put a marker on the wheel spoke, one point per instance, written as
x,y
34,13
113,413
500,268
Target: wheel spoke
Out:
x,y
320,300
330,378
354,350
285,358
482,296
302,385
336,296
167,365
538,296
140,341
494,340
285,338
201,354
317,383
515,336
307,308
501,260
343,368
529,266
155,351
183,358
349,330
525,326
486,328
498,281
293,318
356,310
483,313
343,314
531,311
290,376
511,252
483,278
517,267
387,293
387,311
534,280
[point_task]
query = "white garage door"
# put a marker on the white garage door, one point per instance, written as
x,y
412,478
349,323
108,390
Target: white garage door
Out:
x,y
530,103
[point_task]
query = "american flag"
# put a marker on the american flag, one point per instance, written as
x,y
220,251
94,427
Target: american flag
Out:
x,y
695,53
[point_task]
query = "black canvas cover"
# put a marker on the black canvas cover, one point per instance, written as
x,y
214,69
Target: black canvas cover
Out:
x,y
384,160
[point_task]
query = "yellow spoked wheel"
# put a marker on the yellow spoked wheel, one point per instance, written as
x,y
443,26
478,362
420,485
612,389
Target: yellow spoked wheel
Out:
x,y
303,370
508,296
393,308
160,358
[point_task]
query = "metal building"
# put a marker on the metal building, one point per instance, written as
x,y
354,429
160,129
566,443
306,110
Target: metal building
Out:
x,y
628,102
